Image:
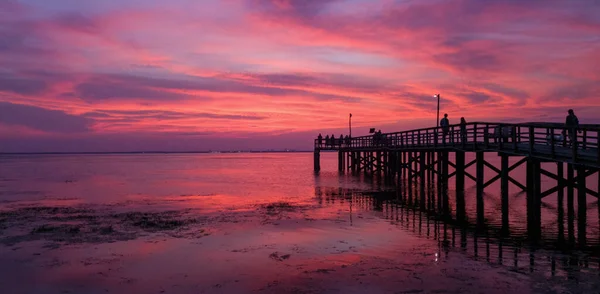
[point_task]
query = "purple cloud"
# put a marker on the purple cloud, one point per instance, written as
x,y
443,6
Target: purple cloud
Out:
x,y
23,86
508,91
101,87
101,90
42,119
136,115
77,21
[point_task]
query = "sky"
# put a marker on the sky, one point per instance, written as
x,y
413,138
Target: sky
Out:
x,y
187,75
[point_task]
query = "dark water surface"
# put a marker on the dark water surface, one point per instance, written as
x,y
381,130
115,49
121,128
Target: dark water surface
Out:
x,y
244,223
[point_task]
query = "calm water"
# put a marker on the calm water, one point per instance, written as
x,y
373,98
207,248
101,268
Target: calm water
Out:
x,y
329,225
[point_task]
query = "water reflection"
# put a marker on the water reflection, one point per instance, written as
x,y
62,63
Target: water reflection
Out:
x,y
512,250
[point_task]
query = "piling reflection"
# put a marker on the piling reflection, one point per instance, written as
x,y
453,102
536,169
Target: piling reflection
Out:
x,y
488,243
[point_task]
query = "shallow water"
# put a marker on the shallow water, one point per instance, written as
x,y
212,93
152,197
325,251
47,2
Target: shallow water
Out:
x,y
237,223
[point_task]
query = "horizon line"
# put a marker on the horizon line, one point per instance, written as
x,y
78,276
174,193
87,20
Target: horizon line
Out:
x,y
153,152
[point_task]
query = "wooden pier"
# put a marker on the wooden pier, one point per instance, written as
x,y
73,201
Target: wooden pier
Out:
x,y
423,158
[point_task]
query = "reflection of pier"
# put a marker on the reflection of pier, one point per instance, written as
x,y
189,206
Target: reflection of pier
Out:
x,y
424,157
480,244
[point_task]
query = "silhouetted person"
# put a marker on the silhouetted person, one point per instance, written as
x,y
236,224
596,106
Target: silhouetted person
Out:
x,y
501,133
333,143
445,124
463,130
327,141
347,141
341,140
572,123
320,140
374,139
377,137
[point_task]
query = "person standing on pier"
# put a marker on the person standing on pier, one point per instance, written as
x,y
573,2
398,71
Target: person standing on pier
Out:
x,y
341,140
463,130
333,141
326,141
445,124
572,123
320,140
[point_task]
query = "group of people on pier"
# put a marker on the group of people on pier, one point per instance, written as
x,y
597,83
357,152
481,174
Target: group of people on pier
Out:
x,y
330,142
500,133
504,132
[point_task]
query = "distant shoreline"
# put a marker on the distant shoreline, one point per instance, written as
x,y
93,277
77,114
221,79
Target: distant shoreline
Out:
x,y
148,152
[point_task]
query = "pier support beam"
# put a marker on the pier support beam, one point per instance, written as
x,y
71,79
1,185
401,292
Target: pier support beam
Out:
x,y
317,160
504,190
422,191
410,171
570,205
480,160
561,196
341,161
405,176
534,203
398,163
439,181
432,183
445,201
378,163
460,186
429,180
581,207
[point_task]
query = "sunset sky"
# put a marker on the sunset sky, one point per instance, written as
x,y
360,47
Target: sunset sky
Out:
x,y
184,75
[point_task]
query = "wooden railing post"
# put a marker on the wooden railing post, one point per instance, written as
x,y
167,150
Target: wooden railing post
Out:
x,y
574,145
584,139
454,133
514,137
463,138
475,136
486,136
552,142
531,139
501,139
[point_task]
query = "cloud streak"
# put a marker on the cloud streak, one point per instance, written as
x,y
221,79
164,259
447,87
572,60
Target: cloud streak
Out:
x,y
42,119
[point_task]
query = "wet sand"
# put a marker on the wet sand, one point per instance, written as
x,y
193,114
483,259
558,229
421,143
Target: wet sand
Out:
x,y
193,244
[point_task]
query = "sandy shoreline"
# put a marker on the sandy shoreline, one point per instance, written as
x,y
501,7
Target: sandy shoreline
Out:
x,y
164,246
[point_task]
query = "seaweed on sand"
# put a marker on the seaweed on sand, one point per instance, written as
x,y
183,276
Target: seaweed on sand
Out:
x,y
157,221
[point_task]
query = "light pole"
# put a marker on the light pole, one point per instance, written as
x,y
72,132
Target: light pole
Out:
x,y
350,124
437,122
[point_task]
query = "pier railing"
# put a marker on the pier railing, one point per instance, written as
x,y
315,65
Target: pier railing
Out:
x,y
547,140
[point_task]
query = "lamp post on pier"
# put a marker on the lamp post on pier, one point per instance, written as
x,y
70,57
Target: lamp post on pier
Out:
x,y
350,125
437,122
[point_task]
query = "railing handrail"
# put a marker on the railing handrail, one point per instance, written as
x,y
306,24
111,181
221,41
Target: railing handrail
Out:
x,y
583,141
581,127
